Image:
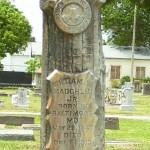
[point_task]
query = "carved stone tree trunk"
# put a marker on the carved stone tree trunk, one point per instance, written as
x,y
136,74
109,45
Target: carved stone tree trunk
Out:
x,y
72,46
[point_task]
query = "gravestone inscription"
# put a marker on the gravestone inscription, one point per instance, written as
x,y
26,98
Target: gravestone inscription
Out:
x,y
72,44
73,111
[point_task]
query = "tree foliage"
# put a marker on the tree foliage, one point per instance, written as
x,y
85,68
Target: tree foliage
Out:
x,y
118,18
33,65
143,3
15,30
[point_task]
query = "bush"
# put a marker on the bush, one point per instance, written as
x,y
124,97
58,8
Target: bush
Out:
x,y
124,79
115,84
146,80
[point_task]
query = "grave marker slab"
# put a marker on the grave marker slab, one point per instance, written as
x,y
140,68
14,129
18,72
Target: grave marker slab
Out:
x,y
72,44
16,120
73,111
16,134
127,105
21,98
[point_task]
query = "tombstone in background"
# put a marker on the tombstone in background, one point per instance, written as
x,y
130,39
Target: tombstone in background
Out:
x,y
146,89
137,86
21,98
127,91
72,45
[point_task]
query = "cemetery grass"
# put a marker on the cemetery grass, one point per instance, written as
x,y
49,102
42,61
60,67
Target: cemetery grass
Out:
x,y
34,107
135,132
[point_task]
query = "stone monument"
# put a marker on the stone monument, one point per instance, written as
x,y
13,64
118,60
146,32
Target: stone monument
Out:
x,y
72,113
127,91
21,98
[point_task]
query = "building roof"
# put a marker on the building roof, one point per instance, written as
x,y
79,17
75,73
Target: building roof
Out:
x,y
125,52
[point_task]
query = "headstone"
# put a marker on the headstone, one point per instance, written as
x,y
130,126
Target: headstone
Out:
x,y
4,94
37,92
72,45
73,111
16,120
21,98
127,91
16,134
137,86
146,89
31,126
112,123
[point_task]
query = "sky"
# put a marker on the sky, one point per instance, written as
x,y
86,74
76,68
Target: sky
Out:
x,y
31,10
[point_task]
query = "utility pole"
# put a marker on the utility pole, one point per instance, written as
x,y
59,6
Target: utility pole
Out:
x,y
133,44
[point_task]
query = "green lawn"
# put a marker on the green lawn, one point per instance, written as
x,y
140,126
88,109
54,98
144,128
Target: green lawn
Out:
x,y
134,131
130,130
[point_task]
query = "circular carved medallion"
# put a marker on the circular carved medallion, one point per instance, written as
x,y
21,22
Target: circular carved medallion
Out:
x,y
72,16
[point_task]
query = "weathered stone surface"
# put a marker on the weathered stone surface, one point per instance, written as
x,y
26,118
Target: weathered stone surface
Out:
x,y
72,16
31,126
16,120
21,98
71,49
112,123
73,111
127,104
3,94
137,86
146,89
16,134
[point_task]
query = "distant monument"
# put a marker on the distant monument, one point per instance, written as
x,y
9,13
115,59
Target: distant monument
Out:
x,y
73,64
127,91
21,98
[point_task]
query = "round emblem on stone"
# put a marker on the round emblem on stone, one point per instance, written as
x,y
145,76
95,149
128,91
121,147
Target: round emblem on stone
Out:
x,y
72,16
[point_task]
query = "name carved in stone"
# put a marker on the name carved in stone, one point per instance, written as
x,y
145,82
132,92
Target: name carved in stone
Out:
x,y
72,111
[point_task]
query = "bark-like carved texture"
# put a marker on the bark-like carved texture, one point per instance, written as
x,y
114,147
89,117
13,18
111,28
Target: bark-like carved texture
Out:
x,y
72,53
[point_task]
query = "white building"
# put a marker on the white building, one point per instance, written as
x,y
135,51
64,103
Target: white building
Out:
x,y
17,61
118,62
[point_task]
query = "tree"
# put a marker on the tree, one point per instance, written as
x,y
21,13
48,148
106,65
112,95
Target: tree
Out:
x,y
144,3
118,23
33,65
15,30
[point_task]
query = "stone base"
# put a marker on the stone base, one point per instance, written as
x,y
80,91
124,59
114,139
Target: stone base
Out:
x,y
4,94
127,107
31,126
112,123
16,120
22,106
16,134
37,94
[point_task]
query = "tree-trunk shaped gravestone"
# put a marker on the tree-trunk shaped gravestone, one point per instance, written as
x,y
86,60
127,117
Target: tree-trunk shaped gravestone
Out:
x,y
73,75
